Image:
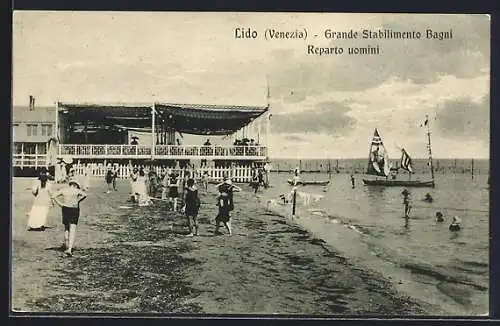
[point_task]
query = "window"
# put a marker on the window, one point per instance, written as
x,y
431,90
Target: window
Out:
x,y
18,148
42,148
32,129
46,130
29,148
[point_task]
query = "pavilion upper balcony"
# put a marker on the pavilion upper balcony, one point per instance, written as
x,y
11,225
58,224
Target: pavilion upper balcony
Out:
x,y
174,152
82,130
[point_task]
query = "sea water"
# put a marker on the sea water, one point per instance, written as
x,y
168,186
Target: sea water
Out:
x,y
430,261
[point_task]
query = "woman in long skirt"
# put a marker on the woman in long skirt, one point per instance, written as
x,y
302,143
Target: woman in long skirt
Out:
x,y
40,209
142,189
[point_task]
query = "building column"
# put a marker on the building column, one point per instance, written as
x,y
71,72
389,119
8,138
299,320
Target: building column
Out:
x,y
85,123
22,155
153,134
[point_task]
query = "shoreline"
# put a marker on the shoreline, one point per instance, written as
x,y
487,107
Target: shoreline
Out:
x,y
130,260
438,293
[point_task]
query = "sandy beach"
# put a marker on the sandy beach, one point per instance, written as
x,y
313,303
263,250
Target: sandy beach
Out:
x,y
138,260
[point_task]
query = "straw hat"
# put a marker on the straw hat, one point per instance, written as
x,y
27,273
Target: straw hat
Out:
x,y
75,182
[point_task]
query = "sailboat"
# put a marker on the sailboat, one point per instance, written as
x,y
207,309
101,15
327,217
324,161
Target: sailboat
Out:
x,y
380,166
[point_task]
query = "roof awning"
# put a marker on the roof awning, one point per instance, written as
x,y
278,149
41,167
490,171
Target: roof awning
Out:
x,y
185,118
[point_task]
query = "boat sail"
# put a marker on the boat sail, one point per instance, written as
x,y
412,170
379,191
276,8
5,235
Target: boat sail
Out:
x,y
379,164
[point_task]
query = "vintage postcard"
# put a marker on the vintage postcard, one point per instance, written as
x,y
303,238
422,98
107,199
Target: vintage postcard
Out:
x,y
316,164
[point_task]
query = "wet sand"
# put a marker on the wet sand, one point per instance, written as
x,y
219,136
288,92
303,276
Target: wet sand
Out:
x,y
131,259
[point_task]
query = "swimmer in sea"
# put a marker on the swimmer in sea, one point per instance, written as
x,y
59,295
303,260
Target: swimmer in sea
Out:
x,y
455,224
428,198
439,217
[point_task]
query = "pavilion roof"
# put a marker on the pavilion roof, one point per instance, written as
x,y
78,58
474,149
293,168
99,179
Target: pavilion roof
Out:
x,y
195,119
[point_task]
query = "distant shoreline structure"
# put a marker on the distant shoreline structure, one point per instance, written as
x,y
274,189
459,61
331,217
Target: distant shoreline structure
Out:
x,y
362,158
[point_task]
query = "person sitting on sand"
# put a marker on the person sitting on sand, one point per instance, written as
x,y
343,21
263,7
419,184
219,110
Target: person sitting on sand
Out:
x,y
439,217
40,209
456,224
428,198
191,206
69,199
225,203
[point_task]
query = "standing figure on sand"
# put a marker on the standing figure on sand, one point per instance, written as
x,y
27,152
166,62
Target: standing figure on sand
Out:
x,y
69,199
255,183
225,203
141,189
296,176
42,191
191,206
109,179
173,188
133,185
204,181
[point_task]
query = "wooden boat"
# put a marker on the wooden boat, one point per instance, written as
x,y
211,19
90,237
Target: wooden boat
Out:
x,y
399,183
380,166
309,183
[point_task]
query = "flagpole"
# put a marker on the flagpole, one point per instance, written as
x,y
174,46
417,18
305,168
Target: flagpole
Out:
x,y
429,145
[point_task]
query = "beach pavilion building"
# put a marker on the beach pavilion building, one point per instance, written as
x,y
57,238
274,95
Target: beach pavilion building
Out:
x,y
32,127
217,139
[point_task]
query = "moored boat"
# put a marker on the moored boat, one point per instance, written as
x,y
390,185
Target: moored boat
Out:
x,y
309,183
380,166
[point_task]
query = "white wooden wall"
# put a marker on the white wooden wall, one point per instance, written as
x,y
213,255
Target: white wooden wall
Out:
x,y
236,173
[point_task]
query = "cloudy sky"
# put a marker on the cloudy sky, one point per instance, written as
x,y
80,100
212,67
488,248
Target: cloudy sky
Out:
x,y
321,106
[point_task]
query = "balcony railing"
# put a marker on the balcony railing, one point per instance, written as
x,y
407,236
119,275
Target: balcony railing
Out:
x,y
163,151
29,160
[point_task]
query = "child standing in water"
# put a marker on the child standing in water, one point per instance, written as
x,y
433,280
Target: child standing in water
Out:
x,y
191,206
69,199
406,203
225,203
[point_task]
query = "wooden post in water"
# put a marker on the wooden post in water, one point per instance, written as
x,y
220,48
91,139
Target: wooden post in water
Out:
x,y
294,201
472,169
329,169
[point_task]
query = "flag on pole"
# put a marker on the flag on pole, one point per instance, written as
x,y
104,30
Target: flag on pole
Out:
x,y
32,102
426,122
376,140
406,162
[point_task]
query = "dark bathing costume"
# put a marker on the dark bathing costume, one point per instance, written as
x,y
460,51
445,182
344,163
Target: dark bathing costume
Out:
x,y
227,204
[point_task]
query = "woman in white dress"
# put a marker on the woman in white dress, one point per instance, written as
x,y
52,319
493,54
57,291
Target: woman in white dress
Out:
x,y
142,189
41,205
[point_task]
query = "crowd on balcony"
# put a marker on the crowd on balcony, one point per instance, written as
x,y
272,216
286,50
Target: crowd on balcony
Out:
x,y
245,142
